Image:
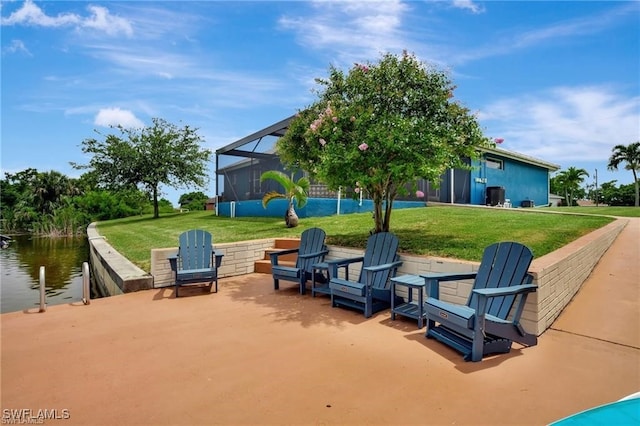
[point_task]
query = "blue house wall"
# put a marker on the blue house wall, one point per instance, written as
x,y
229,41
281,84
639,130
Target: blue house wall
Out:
x,y
315,207
521,181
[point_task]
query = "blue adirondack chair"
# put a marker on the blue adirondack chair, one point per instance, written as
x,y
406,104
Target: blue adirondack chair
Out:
x,y
372,292
312,250
486,324
196,260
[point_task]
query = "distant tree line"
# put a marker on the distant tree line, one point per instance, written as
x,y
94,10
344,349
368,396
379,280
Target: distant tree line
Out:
x,y
50,203
122,178
567,183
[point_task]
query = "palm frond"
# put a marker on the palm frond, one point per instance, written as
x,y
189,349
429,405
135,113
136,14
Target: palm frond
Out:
x,y
272,195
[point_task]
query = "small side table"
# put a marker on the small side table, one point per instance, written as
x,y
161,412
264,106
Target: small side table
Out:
x,y
316,287
410,308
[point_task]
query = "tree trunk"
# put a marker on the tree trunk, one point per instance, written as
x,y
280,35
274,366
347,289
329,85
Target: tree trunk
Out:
x,y
377,213
636,184
290,217
156,210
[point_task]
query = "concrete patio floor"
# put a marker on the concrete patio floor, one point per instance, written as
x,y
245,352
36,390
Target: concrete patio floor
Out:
x,y
252,355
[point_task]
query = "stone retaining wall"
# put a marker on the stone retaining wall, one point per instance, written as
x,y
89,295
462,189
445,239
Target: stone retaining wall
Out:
x,y
112,270
239,259
558,275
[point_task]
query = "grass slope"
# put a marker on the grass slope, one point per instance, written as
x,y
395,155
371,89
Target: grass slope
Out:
x,y
444,231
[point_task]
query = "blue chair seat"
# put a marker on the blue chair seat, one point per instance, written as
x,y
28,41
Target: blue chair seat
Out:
x,y
350,287
196,261
490,321
312,250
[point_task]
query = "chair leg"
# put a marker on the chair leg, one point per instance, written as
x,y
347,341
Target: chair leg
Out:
x,y
276,284
303,282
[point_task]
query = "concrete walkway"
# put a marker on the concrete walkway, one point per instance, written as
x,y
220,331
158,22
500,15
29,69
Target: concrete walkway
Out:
x,y
252,355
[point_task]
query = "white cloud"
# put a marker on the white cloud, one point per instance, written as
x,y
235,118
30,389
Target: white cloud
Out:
x,y
351,29
566,29
99,19
17,46
565,123
30,14
108,117
468,5
102,20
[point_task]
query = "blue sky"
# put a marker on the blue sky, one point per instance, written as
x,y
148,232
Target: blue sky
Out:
x,y
558,81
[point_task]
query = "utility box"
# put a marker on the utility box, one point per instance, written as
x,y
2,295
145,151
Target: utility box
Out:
x,y
527,203
495,196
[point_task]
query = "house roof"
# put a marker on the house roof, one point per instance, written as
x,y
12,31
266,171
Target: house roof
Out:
x,y
523,158
278,129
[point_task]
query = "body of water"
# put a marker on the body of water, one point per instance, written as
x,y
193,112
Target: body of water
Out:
x,y
20,266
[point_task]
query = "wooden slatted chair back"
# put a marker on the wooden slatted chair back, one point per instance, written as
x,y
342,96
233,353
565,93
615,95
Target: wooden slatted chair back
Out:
x,y
381,249
503,265
311,241
195,250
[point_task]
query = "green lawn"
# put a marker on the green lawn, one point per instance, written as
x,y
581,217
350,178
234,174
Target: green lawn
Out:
x,y
605,210
444,231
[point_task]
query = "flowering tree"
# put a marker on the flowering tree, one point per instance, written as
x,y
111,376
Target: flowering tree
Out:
x,y
379,128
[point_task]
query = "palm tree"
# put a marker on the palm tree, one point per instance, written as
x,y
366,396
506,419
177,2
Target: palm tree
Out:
x,y
631,155
297,190
570,181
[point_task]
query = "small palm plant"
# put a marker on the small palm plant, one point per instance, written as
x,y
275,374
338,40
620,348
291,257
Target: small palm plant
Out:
x,y
297,190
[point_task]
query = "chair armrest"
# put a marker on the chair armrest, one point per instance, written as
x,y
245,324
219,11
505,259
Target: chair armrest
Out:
x,y
447,276
311,255
274,256
487,293
173,261
507,291
216,257
383,267
432,281
334,264
345,261
284,251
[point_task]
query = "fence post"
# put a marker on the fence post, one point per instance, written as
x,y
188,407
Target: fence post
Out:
x,y
43,305
86,292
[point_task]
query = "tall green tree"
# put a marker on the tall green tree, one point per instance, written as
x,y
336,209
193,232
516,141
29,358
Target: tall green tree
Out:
x,y
380,127
293,190
569,181
161,154
630,155
193,200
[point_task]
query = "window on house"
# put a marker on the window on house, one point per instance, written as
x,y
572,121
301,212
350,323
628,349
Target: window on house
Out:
x,y
256,181
494,163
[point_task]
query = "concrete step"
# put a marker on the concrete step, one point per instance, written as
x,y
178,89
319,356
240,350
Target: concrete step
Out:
x,y
264,266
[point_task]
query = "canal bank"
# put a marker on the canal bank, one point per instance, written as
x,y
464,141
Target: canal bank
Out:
x,y
114,272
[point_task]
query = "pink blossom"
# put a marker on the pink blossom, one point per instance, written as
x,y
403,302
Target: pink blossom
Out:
x,y
323,142
363,147
419,194
352,119
498,140
357,190
335,119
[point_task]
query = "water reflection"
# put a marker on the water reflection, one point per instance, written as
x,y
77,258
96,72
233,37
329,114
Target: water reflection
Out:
x,y
20,265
